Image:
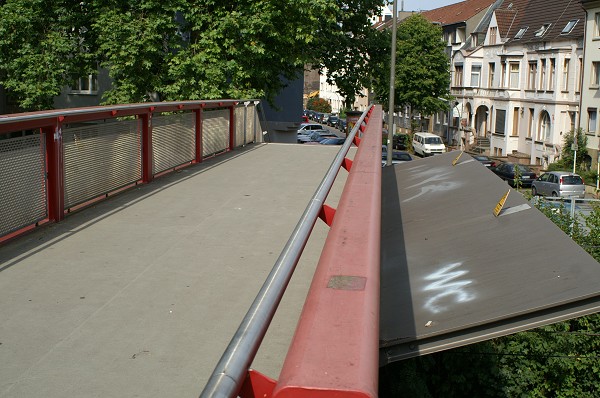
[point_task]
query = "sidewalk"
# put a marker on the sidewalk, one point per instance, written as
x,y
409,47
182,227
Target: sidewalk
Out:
x,y
140,294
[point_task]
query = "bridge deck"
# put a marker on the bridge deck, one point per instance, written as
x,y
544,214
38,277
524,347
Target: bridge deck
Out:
x,y
140,294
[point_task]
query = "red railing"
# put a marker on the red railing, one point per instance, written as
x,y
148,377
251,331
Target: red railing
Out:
x,y
51,177
335,350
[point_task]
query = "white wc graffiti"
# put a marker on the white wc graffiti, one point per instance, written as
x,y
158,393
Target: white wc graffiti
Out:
x,y
445,286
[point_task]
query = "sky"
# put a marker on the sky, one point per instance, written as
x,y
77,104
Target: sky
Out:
x,y
417,5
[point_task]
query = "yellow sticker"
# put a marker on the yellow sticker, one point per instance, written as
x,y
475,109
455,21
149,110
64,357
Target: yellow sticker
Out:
x,y
500,204
458,157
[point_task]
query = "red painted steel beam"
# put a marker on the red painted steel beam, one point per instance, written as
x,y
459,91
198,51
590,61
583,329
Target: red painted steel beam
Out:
x,y
146,120
55,171
335,350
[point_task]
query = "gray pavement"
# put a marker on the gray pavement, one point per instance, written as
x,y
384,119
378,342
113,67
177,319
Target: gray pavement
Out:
x,y
139,295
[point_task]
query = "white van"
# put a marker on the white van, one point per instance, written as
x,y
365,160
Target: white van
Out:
x,y
427,144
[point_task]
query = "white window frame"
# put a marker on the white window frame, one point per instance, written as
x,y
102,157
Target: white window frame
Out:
x,y
513,80
565,74
475,75
91,81
592,120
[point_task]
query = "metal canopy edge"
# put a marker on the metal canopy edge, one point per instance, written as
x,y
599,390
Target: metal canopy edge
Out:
x,y
453,274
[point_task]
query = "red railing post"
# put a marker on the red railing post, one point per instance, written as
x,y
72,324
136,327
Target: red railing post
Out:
x,y
232,127
55,171
146,119
198,126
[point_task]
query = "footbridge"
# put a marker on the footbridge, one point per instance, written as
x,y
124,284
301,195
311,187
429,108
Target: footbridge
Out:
x,y
164,250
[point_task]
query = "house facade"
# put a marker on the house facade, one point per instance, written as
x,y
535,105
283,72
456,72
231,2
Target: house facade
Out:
x,y
462,27
590,93
521,88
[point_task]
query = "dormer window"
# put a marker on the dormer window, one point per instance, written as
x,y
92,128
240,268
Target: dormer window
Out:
x,y
541,31
569,27
521,32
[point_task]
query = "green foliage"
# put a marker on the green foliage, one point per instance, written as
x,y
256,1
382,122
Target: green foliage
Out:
x,y
42,46
319,105
351,49
422,77
567,153
180,50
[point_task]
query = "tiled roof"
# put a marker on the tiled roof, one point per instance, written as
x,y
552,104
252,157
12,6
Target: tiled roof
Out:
x,y
459,12
534,14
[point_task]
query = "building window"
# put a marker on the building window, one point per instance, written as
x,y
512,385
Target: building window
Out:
x,y
542,74
500,121
565,74
579,71
572,121
521,32
532,75
542,30
503,75
530,123
544,133
85,85
514,75
515,129
475,75
569,26
595,74
491,73
458,75
493,35
592,119
551,74
597,25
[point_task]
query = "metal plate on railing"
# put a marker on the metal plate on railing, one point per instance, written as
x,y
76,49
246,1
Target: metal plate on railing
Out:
x,y
215,131
100,158
22,183
173,141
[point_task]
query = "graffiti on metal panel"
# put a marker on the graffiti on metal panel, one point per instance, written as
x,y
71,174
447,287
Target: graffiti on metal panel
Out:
x,y
447,288
431,180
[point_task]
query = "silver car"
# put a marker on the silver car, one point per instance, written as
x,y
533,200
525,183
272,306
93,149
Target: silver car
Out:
x,y
559,184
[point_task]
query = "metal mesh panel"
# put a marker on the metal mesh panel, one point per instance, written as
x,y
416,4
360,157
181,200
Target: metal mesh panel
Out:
x,y
22,183
239,126
173,141
215,131
252,124
100,159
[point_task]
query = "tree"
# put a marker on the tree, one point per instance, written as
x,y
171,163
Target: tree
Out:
x,y
43,46
422,76
352,48
567,154
156,50
319,105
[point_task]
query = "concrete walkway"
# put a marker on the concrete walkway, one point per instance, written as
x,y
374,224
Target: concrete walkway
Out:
x,y
139,295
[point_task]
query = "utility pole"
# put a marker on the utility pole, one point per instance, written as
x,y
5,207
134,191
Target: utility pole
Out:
x,y
391,126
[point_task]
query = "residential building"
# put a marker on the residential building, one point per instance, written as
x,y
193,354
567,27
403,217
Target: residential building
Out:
x,y
590,90
461,25
521,87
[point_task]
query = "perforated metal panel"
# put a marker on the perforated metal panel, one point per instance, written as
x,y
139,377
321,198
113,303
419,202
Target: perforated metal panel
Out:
x,y
101,158
252,125
22,183
215,131
239,126
173,141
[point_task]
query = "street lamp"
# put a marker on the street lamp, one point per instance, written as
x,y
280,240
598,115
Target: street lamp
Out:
x,y
390,139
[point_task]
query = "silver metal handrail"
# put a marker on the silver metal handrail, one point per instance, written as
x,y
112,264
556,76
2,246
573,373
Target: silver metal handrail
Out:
x,y
230,372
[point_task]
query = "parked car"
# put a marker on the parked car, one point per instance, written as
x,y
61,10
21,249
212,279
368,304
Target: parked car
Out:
x,y
486,161
397,156
341,125
312,135
401,141
306,127
333,141
317,136
506,171
332,120
324,118
427,144
559,184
